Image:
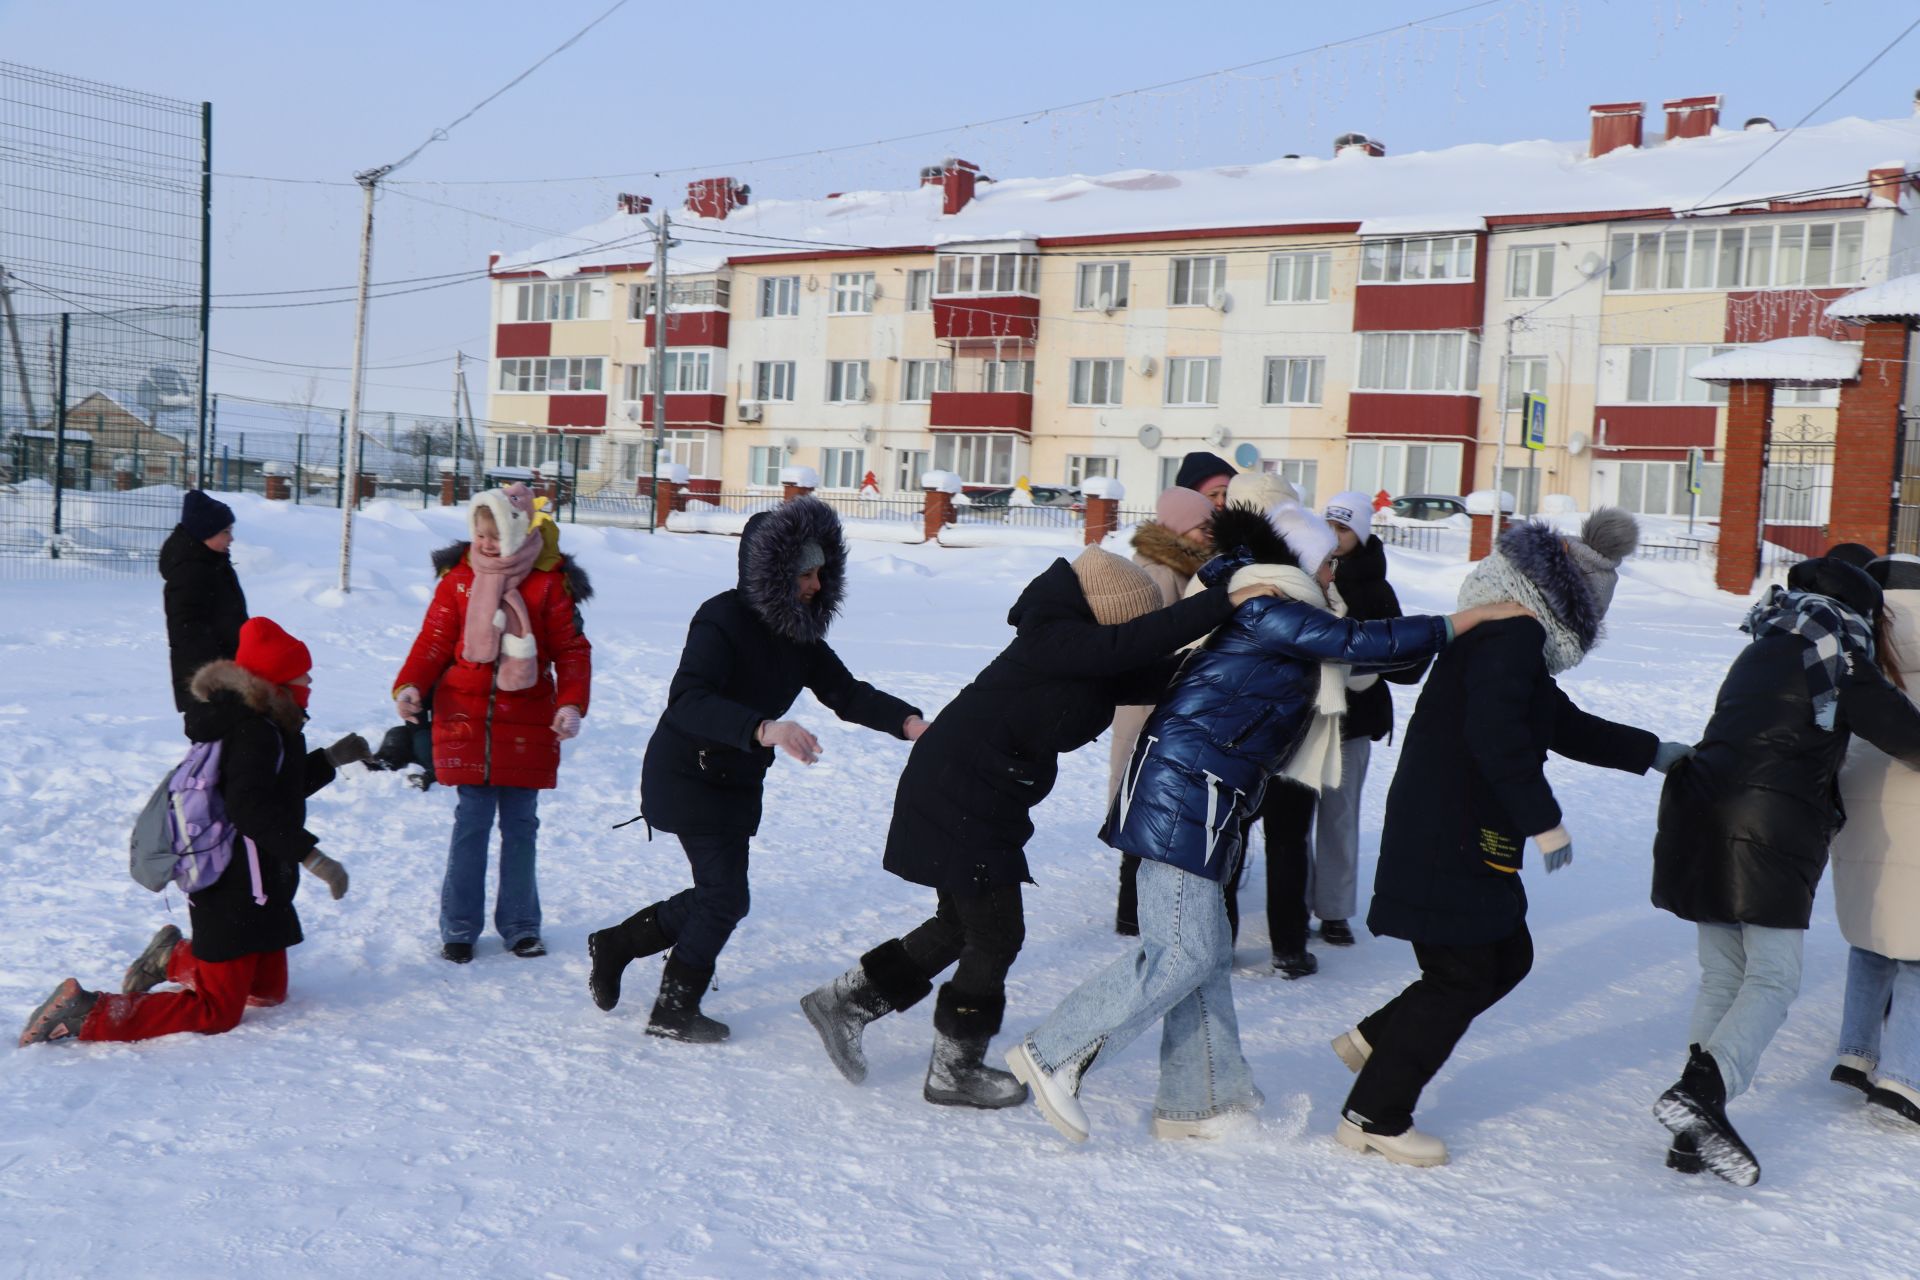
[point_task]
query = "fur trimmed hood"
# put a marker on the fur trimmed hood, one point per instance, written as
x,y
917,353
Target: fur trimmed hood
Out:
x,y
226,676
1242,533
581,587
1540,553
772,547
1154,541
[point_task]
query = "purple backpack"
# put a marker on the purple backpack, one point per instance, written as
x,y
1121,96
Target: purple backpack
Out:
x,y
183,835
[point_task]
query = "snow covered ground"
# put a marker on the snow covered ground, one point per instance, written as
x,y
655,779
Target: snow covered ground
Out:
x,y
400,1116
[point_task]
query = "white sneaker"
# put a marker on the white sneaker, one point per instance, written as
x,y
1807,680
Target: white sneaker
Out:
x,y
1353,1049
1413,1147
1055,1100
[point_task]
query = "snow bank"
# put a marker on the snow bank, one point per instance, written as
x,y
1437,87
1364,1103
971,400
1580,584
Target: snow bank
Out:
x,y
1011,535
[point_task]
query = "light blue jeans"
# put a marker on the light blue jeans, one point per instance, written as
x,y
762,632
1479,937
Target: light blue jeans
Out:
x,y
463,894
1870,1029
1749,975
1179,974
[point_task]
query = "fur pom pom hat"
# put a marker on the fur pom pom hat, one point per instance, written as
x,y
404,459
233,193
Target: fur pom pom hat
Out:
x,y
512,509
1262,489
1608,537
1566,581
1306,533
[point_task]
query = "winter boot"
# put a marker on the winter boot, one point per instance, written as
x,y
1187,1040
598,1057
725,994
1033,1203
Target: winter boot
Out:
x,y
1897,1098
1410,1147
1336,933
610,951
1353,1049
59,1018
1219,1125
676,1013
1853,1072
957,1076
1684,1157
1296,964
457,952
150,970
530,947
1696,1107
885,981
1056,1093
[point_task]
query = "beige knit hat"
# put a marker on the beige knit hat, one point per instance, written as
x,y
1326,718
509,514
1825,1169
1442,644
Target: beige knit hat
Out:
x,y
1260,489
1117,590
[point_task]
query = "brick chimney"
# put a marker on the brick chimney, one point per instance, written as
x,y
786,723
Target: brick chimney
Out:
x,y
957,181
1692,117
1613,125
715,197
1360,144
630,203
1886,184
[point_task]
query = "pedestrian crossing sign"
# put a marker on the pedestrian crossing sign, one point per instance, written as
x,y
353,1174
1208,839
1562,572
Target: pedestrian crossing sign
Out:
x,y
1536,421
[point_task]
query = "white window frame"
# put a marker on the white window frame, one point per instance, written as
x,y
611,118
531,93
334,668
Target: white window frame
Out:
x,y
983,274
842,468
1701,257
1182,373
551,375
1373,465
682,295
531,449
1093,279
920,289
689,373
847,382
1192,281
1419,260
1082,467
1003,376
779,296
690,448
852,294
1096,383
1302,473
1295,278
1530,271
540,301
764,464
979,458
1525,374
1657,374
908,466
1302,381
1631,491
920,379
1419,362
773,380
1806,397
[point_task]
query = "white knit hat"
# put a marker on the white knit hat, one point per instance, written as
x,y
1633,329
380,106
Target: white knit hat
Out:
x,y
1354,510
1307,535
1261,490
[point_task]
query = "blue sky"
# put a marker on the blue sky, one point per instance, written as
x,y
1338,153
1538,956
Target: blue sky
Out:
x,y
320,91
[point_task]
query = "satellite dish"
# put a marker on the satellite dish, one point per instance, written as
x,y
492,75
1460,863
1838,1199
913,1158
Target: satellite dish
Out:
x,y
1247,455
1145,365
791,444
1218,437
1592,264
866,435
1149,437
1577,443
1105,303
1222,301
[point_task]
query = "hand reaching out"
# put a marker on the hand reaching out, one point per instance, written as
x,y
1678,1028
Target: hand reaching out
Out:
x,y
789,737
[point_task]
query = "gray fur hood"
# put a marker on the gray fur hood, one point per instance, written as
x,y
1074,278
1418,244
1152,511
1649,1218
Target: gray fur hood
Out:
x,y
771,547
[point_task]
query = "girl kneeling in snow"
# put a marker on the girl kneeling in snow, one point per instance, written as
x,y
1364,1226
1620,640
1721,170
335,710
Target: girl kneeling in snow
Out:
x,y
243,923
1263,692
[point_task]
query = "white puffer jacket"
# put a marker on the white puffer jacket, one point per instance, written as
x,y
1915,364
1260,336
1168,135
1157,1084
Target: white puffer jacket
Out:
x,y
1876,856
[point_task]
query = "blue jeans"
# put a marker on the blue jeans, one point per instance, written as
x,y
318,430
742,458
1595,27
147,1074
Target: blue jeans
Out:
x,y
1179,972
1881,1022
463,894
1749,975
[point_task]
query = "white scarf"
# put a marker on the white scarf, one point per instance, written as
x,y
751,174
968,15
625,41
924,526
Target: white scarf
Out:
x,y
1317,761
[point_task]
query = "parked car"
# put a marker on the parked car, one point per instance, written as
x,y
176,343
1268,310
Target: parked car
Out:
x,y
994,504
1428,506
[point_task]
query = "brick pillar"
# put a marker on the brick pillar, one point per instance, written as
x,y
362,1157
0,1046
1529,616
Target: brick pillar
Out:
x,y
1867,438
938,513
668,496
1480,538
364,484
278,487
1743,486
124,478
789,490
449,489
1103,517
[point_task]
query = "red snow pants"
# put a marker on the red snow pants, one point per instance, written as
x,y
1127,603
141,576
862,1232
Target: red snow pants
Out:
x,y
216,994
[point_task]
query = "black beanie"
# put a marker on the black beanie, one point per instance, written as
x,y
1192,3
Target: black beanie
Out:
x,y
202,516
1199,467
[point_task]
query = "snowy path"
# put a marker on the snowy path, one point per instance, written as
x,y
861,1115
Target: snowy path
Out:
x,y
399,1116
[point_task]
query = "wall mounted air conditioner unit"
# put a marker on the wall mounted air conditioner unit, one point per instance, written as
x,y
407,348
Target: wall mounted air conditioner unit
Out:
x,y
750,411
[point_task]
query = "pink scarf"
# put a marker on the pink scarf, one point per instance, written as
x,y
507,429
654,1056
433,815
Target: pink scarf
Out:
x,y
498,624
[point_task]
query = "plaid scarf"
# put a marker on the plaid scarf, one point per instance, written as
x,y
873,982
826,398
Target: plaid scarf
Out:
x,y
1837,637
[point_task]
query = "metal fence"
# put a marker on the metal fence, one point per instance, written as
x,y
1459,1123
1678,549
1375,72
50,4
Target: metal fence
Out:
x,y
1412,537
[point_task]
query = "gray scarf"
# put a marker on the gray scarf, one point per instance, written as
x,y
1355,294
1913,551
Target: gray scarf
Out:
x,y
1495,579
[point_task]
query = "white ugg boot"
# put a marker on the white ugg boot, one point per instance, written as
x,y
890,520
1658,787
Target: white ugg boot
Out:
x,y
1353,1049
1413,1147
1051,1093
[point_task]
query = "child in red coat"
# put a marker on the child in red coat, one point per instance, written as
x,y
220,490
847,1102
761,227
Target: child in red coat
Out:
x,y
502,660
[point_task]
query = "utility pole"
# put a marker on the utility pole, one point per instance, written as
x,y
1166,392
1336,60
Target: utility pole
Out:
x,y
658,271
19,352
473,432
1500,432
368,180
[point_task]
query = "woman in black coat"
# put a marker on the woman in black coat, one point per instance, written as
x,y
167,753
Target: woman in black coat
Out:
x,y
1745,823
749,653
1091,636
202,595
1469,792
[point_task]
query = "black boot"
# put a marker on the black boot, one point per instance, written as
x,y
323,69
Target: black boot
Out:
x,y
885,981
957,1076
1684,1157
676,1013
1126,913
610,951
1696,1108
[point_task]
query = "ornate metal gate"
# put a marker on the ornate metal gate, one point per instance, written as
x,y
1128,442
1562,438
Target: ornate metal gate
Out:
x,y
1799,488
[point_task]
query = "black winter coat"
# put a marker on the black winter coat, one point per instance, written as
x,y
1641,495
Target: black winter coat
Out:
x,y
1471,782
749,653
266,775
205,608
960,814
1745,822
1361,580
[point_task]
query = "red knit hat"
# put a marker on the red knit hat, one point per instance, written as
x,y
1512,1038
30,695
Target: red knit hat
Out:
x,y
270,653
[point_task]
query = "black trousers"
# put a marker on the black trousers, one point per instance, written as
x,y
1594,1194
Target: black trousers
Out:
x,y
1413,1034
701,919
982,932
1285,817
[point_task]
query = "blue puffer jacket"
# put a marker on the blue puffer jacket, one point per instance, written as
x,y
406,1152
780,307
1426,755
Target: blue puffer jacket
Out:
x,y
1234,716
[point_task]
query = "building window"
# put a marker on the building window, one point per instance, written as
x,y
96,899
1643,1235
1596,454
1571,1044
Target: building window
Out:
x,y
633,459
780,296
689,449
1795,255
1192,282
1658,375
764,462
852,293
1437,260
846,381
688,372
920,289
1660,489
554,300
1530,272
1403,469
1082,467
1095,382
908,466
1100,286
1302,473
1806,397
528,449
681,295
921,378
556,374
1430,362
977,459
1193,380
1299,277
1526,375
1295,379
1169,472
987,273
842,468
773,380
1006,375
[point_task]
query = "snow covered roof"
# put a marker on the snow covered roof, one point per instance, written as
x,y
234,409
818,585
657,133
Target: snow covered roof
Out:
x,y
1897,299
1783,360
1391,194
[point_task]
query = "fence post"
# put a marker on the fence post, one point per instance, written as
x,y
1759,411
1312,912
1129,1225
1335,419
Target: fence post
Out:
x,y
937,514
60,435
797,482
669,484
426,477
1103,508
359,469
573,492
299,450
340,497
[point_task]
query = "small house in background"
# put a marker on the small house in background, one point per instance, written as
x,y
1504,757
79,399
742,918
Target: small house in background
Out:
x,y
104,439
